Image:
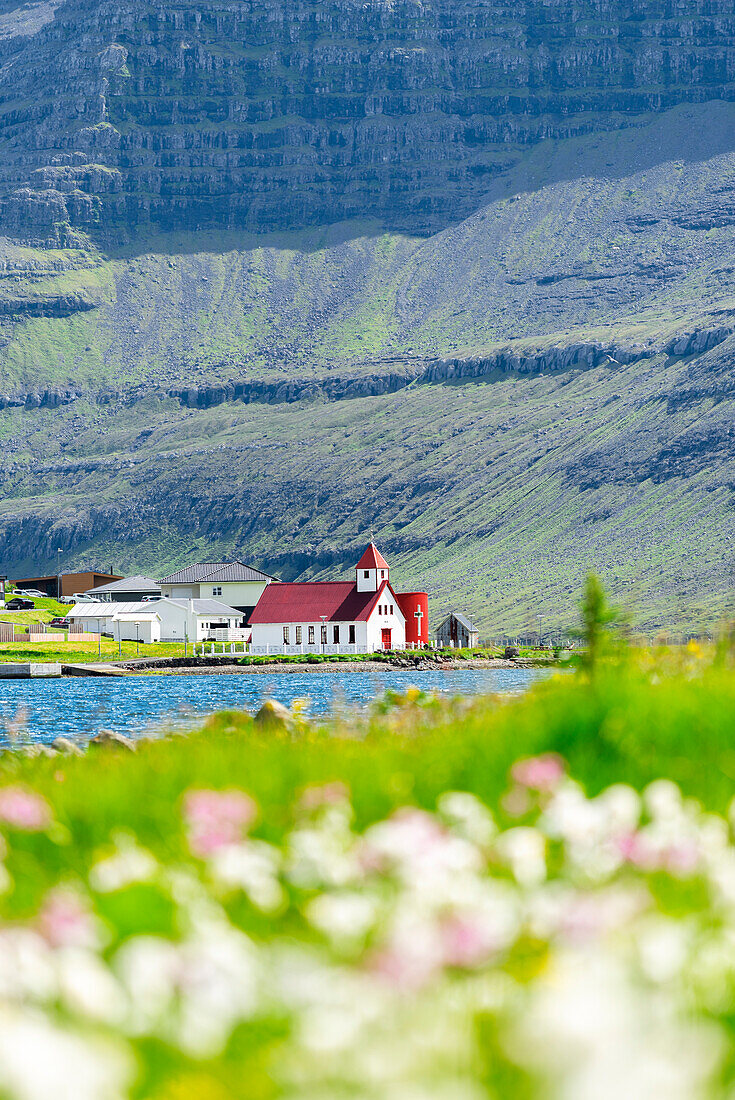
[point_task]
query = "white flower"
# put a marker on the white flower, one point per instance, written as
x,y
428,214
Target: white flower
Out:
x,y
524,850
130,863
253,867
39,1060
344,916
26,965
468,816
88,987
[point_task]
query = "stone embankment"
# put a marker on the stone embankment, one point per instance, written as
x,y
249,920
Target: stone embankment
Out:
x,y
417,662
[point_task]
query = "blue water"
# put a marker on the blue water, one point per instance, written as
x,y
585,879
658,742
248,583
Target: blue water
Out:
x,y
78,706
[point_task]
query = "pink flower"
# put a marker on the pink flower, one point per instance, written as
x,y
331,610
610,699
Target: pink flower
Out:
x,y
539,773
23,809
64,921
466,940
326,794
217,818
635,848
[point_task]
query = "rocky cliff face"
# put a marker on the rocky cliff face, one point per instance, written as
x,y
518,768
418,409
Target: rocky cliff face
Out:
x,y
282,113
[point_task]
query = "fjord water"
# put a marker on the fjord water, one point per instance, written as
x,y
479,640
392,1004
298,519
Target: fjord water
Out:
x,y
79,707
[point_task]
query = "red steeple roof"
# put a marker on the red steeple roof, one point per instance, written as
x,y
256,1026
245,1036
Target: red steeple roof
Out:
x,y
372,559
309,601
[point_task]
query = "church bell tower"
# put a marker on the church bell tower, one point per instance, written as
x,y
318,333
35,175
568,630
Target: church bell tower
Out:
x,y
371,570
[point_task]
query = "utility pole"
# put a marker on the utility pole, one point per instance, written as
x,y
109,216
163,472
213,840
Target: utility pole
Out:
x,y
58,572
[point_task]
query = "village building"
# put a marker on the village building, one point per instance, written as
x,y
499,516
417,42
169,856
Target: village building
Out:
x,y
457,631
360,616
177,620
233,583
65,584
127,590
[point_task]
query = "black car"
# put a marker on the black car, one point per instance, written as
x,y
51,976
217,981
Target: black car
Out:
x,y
18,604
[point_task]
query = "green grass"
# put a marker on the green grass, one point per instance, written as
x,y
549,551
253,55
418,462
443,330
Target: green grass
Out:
x,y
43,610
86,652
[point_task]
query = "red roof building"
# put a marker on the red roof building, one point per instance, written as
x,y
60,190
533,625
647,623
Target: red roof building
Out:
x,y
340,616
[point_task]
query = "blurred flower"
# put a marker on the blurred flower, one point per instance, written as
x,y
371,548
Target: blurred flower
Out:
x,y
216,818
65,919
24,809
252,866
325,794
524,850
539,773
129,863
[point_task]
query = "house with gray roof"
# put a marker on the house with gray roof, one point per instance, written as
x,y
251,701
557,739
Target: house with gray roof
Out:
x,y
233,583
457,630
127,590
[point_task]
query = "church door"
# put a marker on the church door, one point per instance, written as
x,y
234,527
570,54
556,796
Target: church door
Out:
x,y
386,632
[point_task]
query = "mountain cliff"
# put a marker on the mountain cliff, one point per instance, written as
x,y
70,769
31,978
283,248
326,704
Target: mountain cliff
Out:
x,y
276,272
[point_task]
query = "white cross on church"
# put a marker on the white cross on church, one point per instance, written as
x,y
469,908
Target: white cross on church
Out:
x,y
418,614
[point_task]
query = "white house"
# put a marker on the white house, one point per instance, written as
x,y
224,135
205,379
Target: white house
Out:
x,y
197,620
137,626
233,583
164,620
332,616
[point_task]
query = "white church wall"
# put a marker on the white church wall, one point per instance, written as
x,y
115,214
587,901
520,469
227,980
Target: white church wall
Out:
x,y
268,637
393,621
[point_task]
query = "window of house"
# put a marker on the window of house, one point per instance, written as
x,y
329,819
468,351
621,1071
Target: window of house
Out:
x,y
298,635
382,573
366,573
217,590
324,633
311,635
335,634
285,635
391,609
352,633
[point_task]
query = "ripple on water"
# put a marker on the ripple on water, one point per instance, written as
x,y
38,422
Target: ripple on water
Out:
x,y
77,706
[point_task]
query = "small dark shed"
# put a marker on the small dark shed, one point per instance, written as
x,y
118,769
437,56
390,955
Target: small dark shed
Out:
x,y
457,630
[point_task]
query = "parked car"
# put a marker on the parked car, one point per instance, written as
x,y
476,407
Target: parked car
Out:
x,y
58,621
32,593
150,599
19,604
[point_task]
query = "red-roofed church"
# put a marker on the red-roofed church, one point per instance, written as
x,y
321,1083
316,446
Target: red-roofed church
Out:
x,y
340,616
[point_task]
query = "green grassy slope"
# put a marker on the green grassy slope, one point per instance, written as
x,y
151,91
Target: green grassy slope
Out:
x,y
497,495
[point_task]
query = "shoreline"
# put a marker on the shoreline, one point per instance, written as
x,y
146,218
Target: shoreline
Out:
x,y
223,668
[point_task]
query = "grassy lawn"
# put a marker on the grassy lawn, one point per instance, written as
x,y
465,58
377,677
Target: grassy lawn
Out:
x,y
79,652
41,613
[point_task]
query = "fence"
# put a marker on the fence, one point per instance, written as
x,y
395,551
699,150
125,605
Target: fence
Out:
x,y
42,634
213,649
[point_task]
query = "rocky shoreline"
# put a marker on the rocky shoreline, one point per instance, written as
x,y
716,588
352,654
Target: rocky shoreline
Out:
x,y
205,666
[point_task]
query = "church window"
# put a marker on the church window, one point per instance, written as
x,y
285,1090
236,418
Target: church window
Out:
x,y
382,573
285,635
335,634
366,574
324,633
391,609
311,635
352,633
298,635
